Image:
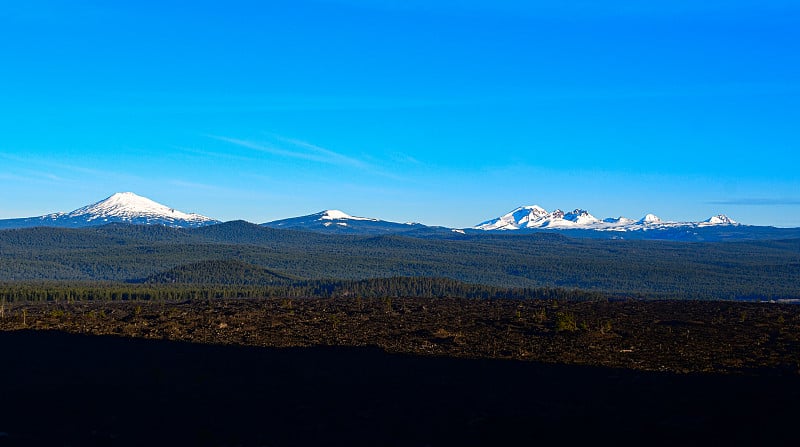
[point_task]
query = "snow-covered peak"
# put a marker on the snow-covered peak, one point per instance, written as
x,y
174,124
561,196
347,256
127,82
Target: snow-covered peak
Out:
x,y
533,209
519,217
534,216
720,219
130,207
340,215
581,217
650,219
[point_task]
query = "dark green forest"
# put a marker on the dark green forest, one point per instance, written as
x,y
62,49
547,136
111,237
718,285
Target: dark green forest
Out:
x,y
386,288
256,260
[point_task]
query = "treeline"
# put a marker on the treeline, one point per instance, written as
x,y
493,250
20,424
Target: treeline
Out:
x,y
371,288
440,287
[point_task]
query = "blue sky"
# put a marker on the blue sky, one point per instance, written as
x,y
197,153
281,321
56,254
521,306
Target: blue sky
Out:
x,y
446,113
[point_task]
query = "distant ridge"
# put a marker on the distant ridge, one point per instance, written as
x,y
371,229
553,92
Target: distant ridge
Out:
x,y
335,221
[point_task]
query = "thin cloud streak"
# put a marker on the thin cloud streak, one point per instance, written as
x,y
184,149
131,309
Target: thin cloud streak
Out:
x,y
68,167
334,156
319,158
306,151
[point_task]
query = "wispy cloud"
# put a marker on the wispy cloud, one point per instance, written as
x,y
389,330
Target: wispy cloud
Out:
x,y
334,157
67,167
42,175
758,201
287,147
27,175
14,177
293,148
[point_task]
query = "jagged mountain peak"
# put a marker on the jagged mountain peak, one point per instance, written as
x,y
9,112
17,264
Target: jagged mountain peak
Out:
x,y
515,219
580,216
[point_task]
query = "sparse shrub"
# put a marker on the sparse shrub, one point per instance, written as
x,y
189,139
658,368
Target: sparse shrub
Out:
x,y
565,322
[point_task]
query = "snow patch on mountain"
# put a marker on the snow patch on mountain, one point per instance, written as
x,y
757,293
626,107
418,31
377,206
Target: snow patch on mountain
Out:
x,y
340,215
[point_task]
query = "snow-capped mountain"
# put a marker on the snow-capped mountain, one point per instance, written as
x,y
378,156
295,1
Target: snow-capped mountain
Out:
x,y
650,219
335,221
122,207
719,219
521,217
536,217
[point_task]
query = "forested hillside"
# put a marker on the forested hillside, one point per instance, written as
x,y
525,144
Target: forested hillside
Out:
x,y
262,256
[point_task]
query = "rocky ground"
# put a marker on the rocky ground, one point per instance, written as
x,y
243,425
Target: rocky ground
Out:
x,y
401,372
669,336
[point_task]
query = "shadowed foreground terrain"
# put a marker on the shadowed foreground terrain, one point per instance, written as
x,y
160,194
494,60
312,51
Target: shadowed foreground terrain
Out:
x,y
377,372
669,336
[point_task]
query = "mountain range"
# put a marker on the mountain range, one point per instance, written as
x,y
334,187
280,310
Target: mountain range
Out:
x,y
536,217
129,208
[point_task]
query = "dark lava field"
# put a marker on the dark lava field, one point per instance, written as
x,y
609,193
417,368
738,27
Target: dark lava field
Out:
x,y
404,372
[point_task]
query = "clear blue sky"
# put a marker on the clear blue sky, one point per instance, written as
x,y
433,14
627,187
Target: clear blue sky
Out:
x,y
446,114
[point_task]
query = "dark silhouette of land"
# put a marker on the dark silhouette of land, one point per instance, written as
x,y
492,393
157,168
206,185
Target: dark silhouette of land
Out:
x,y
61,388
